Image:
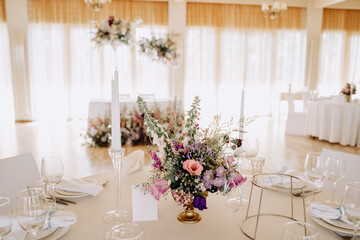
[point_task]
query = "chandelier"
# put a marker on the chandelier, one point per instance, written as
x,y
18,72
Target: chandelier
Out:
x,y
96,4
274,9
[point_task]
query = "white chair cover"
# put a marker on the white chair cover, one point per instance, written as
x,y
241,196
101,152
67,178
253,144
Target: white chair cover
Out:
x,y
17,173
295,124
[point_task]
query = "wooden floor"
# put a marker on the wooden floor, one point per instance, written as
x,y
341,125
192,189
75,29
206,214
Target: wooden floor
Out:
x,y
64,138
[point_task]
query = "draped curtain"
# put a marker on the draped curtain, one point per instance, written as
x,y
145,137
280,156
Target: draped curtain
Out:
x,y
339,50
67,70
230,47
6,91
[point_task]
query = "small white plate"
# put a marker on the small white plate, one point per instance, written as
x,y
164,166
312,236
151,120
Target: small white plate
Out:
x,y
49,233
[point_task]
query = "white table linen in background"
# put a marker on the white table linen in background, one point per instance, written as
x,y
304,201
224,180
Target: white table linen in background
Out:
x,y
101,107
336,122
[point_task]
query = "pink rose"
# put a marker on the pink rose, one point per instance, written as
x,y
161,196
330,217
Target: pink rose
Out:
x,y
193,167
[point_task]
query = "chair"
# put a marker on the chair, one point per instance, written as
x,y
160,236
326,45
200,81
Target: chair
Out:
x,y
17,173
147,96
295,124
352,166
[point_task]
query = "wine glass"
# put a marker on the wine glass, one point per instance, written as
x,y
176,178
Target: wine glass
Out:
x,y
351,204
249,148
52,171
314,169
299,230
334,172
31,210
5,217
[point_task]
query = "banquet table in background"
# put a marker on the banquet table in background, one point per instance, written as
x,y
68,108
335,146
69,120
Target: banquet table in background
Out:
x,y
216,221
101,107
336,122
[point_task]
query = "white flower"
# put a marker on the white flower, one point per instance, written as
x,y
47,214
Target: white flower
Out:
x,y
92,131
105,27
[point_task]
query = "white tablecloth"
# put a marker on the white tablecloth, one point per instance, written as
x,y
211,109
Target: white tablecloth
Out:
x,y
100,107
333,121
216,222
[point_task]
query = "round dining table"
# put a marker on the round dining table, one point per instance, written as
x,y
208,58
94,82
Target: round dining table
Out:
x,y
219,222
334,121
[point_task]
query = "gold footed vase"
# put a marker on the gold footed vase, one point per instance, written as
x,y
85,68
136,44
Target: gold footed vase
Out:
x,y
348,98
189,215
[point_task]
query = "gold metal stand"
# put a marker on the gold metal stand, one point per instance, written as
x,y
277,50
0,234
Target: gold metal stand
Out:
x,y
258,180
189,215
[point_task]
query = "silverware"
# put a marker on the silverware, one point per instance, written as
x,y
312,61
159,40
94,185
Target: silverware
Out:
x,y
59,202
65,200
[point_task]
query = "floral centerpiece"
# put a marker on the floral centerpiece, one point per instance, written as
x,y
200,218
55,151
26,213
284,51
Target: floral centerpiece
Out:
x,y
161,49
98,132
115,31
348,90
133,130
193,164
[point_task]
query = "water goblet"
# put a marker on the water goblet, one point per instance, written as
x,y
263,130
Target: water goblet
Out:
x,y
52,171
314,169
5,217
334,172
300,231
257,164
351,204
31,210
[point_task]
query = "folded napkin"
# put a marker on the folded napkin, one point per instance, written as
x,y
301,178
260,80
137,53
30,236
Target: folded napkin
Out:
x,y
63,219
81,186
324,211
134,161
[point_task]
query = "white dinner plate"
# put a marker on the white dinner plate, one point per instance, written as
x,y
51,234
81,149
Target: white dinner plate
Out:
x,y
341,231
339,223
66,194
58,233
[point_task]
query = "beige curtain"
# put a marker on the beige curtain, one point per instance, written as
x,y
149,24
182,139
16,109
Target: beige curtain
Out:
x,y
339,50
341,19
2,11
242,16
76,11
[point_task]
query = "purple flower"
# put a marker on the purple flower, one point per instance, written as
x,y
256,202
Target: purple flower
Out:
x,y
156,161
178,146
208,175
218,182
220,171
111,20
200,203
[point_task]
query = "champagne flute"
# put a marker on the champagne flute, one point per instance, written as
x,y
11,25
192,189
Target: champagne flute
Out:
x,y
351,204
298,230
31,210
5,217
314,169
334,172
52,171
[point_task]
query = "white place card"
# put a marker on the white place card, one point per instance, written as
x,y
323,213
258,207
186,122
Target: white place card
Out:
x,y
144,206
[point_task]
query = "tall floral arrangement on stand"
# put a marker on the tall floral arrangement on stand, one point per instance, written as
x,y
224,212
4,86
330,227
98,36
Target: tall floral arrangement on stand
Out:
x,y
115,31
98,132
162,49
193,164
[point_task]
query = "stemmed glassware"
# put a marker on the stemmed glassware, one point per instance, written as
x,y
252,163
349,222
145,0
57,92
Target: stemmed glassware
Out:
x,y
52,171
5,217
249,148
300,231
351,204
31,210
314,169
334,172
